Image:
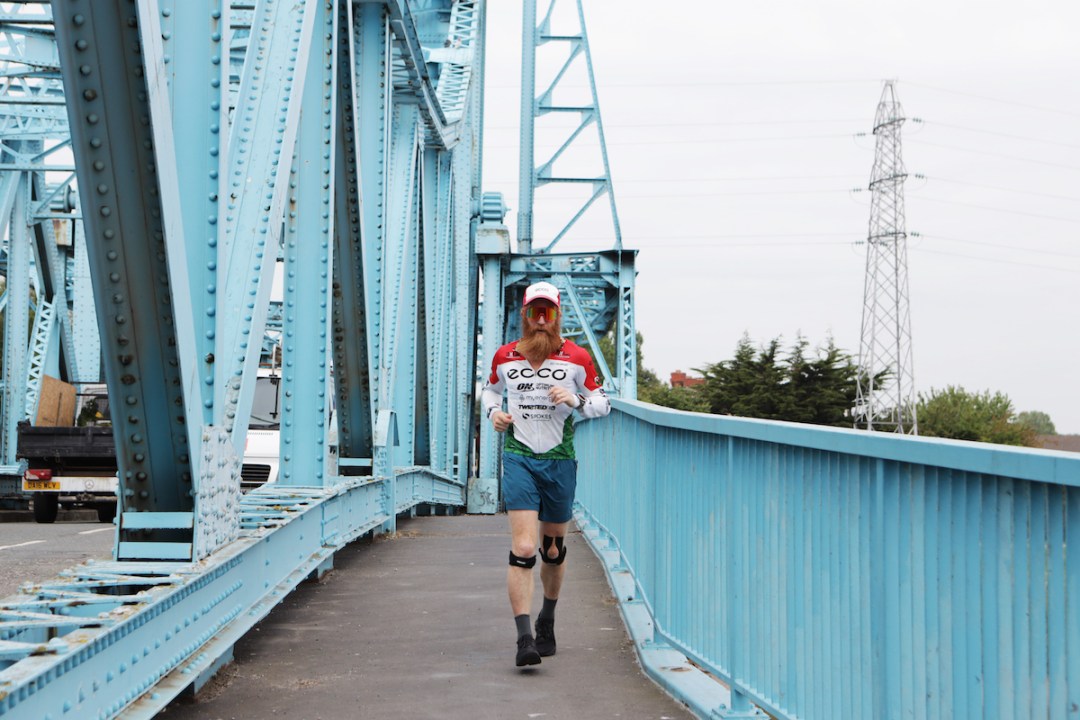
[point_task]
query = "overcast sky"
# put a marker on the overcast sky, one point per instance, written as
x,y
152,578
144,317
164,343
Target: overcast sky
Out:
x,y
739,138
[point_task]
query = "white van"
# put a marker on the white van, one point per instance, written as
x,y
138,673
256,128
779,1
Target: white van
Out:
x,y
263,447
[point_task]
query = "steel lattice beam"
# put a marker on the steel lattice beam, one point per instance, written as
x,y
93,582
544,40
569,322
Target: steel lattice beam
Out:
x,y
373,221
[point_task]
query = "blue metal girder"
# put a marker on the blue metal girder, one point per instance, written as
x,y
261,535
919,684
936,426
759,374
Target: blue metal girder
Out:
x,y
305,389
113,144
14,193
466,204
266,116
52,268
493,241
84,331
533,105
372,122
397,324
435,409
352,379
193,34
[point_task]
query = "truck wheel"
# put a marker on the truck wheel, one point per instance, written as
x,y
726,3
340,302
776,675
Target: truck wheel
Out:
x,y
106,512
46,506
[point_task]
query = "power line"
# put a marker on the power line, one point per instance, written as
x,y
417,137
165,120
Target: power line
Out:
x,y
745,178
995,133
996,260
993,99
608,126
697,84
997,209
701,141
726,246
996,187
728,235
621,196
994,154
997,245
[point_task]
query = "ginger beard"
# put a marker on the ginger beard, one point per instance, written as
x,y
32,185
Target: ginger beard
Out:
x,y
539,342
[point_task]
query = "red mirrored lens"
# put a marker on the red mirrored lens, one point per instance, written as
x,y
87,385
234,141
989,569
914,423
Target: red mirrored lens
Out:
x,y
535,313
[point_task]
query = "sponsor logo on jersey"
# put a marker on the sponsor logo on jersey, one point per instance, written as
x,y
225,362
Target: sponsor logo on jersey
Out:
x,y
535,416
557,374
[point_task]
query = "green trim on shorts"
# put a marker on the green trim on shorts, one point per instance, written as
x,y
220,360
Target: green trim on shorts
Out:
x,y
562,451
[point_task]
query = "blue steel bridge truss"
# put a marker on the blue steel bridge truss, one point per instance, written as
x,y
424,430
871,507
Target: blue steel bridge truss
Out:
x,y
214,142
43,260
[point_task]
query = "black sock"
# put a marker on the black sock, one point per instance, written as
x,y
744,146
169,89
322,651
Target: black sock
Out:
x,y
524,625
548,611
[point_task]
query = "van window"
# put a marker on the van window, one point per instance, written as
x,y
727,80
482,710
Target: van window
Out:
x,y
266,408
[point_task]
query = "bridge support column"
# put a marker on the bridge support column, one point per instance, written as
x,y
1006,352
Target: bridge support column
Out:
x,y
492,244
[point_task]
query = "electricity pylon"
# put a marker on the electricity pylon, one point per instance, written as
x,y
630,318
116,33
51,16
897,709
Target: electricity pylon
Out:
x,y
886,381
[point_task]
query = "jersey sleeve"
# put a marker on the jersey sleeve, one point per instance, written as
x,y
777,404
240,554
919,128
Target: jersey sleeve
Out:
x,y
491,397
594,401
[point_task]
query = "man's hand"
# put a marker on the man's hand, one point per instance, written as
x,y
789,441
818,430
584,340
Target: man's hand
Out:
x,y
501,420
562,396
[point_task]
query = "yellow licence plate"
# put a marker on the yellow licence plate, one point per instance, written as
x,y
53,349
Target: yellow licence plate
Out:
x,y
40,485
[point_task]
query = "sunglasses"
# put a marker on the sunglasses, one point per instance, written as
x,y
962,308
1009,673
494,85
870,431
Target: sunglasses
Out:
x,y
535,313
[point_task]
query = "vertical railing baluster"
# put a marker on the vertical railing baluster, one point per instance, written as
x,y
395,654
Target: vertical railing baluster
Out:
x,y
1021,591
904,640
1037,603
990,545
878,621
972,487
1007,529
1072,599
1057,651
934,543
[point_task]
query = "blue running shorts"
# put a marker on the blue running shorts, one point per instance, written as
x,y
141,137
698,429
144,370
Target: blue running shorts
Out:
x,y
546,486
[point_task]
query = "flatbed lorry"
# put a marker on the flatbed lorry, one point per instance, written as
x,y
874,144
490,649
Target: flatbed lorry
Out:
x,y
75,466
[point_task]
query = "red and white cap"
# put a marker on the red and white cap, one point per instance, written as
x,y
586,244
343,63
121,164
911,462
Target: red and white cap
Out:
x,y
541,290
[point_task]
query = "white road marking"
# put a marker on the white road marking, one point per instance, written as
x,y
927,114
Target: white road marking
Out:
x,y
97,530
28,542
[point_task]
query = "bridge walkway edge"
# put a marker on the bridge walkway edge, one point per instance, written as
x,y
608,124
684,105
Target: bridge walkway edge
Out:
x,y
417,625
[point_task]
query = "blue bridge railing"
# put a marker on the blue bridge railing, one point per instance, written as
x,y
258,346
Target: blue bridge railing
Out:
x,y
830,573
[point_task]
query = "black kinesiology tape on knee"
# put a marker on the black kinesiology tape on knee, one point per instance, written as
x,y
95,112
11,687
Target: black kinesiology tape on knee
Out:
x,y
557,542
522,562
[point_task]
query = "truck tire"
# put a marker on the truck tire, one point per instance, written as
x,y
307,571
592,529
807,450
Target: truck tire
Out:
x,y
46,506
106,512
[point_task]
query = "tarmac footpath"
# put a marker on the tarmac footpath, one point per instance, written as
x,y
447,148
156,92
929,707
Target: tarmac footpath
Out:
x,y
418,625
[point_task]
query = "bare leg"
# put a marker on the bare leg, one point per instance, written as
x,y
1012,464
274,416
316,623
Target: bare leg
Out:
x,y
552,575
519,581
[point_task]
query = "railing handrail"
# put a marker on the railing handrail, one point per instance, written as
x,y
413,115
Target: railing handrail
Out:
x,y
1021,463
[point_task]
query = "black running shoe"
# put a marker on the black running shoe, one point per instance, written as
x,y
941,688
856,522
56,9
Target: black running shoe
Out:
x,y
545,636
527,654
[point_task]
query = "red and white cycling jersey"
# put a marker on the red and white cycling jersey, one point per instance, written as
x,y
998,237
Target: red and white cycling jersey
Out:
x,y
541,428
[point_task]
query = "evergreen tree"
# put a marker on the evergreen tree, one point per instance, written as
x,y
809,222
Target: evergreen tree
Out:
x,y
797,388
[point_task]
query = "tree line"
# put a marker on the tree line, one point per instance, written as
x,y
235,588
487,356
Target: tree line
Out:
x,y
818,385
